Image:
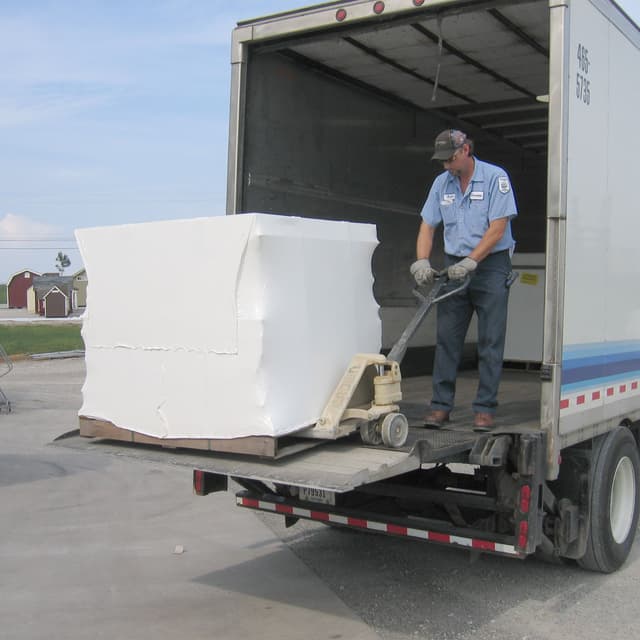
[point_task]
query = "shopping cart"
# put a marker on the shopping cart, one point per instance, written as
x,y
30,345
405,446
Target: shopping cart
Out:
x,y
5,366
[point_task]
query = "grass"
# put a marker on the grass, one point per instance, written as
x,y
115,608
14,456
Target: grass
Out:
x,y
40,338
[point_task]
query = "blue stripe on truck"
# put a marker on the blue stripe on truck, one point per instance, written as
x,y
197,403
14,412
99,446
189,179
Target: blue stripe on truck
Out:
x,y
588,365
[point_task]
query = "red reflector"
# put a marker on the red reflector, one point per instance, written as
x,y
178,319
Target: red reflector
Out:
x,y
198,482
357,522
439,537
483,544
320,515
378,7
284,508
418,3
524,533
394,528
341,14
525,498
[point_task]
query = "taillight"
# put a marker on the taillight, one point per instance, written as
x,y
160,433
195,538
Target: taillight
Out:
x,y
198,482
378,7
418,3
523,534
525,498
341,14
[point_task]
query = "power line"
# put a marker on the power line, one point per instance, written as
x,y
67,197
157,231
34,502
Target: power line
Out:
x,y
37,239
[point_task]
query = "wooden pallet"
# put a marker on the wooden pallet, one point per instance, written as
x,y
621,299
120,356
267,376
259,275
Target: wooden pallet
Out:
x,y
261,446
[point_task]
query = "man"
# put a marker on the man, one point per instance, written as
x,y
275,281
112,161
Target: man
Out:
x,y
475,202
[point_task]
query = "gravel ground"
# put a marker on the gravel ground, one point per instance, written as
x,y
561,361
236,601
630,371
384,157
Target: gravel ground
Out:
x,y
408,589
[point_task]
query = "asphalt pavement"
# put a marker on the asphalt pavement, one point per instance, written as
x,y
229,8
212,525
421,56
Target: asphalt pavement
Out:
x,y
97,546
105,546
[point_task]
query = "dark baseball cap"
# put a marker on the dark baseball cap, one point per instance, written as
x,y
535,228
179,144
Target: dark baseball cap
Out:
x,y
447,143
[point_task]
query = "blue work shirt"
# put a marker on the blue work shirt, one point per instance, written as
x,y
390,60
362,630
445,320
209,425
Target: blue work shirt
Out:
x,y
466,216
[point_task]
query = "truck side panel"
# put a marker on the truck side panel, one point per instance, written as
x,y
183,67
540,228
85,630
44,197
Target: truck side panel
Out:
x,y
601,335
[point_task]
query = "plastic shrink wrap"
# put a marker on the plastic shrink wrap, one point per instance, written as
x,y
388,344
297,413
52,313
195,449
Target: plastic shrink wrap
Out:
x,y
223,327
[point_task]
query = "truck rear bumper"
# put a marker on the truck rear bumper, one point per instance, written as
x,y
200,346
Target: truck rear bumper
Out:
x,y
379,524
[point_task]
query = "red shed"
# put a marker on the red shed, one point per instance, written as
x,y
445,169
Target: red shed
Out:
x,y
17,288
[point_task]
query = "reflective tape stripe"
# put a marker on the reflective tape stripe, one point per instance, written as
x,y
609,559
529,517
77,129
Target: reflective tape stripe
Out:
x,y
393,529
463,542
589,398
284,508
418,533
439,537
486,545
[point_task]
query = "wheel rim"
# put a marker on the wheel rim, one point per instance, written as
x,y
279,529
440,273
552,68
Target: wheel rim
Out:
x,y
623,500
395,429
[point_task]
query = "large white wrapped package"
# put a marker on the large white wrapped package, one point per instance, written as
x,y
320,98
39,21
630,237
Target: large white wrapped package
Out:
x,y
224,327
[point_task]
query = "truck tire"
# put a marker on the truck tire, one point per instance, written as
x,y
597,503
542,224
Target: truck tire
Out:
x,y
615,480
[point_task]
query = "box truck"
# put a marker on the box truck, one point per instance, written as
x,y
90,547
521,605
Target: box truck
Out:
x,y
334,109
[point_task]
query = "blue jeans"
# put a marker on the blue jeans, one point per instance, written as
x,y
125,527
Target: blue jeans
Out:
x,y
487,295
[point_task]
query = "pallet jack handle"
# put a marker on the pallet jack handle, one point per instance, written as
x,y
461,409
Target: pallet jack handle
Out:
x,y
426,303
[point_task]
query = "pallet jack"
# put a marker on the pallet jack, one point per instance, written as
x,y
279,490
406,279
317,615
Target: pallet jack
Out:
x,y
367,396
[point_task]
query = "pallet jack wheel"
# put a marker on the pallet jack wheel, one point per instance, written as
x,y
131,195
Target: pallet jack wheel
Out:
x,y
394,429
370,433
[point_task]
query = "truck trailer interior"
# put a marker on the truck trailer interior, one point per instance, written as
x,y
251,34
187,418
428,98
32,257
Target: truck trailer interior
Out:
x,y
340,125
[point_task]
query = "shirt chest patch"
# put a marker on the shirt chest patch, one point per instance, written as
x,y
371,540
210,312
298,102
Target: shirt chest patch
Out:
x,y
477,195
503,184
448,198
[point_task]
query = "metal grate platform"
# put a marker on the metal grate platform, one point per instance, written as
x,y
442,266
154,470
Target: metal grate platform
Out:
x,y
437,445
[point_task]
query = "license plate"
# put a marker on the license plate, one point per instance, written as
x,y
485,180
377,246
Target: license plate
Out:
x,y
321,496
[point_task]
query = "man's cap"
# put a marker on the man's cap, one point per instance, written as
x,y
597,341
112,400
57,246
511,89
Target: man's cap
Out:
x,y
447,143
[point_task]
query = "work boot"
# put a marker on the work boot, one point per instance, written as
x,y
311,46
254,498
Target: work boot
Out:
x,y
436,418
482,421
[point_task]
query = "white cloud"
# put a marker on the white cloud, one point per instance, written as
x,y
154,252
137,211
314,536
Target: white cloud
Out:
x,y
14,227
28,244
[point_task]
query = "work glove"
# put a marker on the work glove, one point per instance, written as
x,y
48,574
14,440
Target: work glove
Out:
x,y
422,272
460,270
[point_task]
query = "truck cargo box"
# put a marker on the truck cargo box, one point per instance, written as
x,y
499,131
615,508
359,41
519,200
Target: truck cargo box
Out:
x,y
334,109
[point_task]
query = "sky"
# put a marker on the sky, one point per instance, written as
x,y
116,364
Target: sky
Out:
x,y
111,112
